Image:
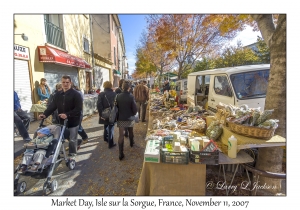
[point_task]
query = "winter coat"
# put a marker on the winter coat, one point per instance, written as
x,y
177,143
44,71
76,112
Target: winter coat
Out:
x,y
103,104
118,90
141,93
69,103
126,105
38,142
166,87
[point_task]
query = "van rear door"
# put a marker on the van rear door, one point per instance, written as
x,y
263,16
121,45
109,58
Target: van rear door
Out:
x,y
191,86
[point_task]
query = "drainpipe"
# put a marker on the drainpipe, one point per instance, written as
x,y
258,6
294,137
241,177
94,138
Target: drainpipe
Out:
x,y
92,50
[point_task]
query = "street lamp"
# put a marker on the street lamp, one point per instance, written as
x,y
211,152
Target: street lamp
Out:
x,y
24,37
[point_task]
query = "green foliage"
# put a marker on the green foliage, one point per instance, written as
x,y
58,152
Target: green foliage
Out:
x,y
263,51
235,56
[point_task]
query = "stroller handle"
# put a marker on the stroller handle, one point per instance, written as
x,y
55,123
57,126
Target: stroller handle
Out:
x,y
43,119
65,122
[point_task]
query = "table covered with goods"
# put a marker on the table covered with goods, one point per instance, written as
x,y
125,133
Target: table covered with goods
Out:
x,y
182,140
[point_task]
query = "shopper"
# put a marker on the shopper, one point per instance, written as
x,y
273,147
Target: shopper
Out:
x,y
105,100
81,131
141,96
21,119
58,88
127,110
69,106
43,90
166,86
119,90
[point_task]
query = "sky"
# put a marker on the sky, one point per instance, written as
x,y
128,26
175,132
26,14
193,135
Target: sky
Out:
x,y
134,24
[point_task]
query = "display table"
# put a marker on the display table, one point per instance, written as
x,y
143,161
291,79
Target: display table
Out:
x,y
38,108
172,179
89,104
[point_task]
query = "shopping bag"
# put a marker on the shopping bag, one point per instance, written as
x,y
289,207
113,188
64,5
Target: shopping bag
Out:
x,y
113,113
136,117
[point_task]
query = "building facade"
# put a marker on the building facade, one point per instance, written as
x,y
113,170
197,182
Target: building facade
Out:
x,y
83,46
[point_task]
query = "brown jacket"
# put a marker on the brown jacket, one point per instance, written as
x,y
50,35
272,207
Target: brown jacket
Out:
x,y
141,93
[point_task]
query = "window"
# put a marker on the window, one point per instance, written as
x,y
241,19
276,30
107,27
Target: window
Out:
x,y
221,86
251,84
86,47
185,85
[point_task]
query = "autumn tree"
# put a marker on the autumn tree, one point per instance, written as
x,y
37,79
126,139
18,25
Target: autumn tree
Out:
x,y
144,65
188,37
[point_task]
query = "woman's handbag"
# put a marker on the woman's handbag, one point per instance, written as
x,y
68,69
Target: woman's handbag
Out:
x,y
114,112
136,117
106,112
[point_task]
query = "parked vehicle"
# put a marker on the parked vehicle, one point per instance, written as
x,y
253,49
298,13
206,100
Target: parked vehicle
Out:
x,y
232,85
181,90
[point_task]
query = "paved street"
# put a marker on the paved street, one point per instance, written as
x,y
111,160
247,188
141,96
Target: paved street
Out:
x,y
98,170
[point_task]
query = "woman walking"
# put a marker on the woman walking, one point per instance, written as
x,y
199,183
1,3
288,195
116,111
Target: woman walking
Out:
x,y
127,110
106,99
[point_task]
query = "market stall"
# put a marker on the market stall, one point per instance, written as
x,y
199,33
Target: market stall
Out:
x,y
182,140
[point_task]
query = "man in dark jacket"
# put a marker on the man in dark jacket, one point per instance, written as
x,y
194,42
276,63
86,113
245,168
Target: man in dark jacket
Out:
x,y
166,86
69,106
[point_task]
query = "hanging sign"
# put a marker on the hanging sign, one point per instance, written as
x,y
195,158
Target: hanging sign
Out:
x,y
21,52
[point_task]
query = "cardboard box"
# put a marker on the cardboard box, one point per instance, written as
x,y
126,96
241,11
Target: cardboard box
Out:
x,y
152,151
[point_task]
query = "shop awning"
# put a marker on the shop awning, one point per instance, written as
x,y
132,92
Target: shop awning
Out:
x,y
117,72
51,55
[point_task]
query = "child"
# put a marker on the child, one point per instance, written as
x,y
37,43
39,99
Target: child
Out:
x,y
41,142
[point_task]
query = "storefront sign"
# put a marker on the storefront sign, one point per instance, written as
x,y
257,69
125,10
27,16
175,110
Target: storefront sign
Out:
x,y
48,54
21,52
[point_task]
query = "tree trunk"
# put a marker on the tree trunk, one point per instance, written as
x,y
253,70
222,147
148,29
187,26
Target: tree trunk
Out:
x,y
270,159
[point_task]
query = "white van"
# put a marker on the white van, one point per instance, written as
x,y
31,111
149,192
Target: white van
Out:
x,y
232,85
181,90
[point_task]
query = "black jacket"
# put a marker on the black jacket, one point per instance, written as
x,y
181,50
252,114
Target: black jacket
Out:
x,y
166,87
69,103
126,105
118,90
103,104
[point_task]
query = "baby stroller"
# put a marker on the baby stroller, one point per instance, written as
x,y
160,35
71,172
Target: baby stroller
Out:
x,y
50,162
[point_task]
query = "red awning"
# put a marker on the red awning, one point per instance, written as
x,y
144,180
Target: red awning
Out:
x,y
51,55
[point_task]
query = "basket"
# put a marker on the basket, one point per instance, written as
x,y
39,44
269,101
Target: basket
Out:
x,y
250,131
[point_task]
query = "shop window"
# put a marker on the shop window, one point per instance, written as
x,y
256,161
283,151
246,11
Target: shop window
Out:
x,y
221,86
86,47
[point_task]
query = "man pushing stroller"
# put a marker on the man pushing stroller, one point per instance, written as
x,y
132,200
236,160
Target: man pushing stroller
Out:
x,y
32,159
69,106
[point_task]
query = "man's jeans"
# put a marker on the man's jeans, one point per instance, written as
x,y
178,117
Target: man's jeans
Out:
x,y
141,107
22,121
73,140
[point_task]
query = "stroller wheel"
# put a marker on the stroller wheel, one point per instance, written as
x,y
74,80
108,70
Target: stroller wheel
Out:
x,y
71,164
21,187
54,185
45,187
